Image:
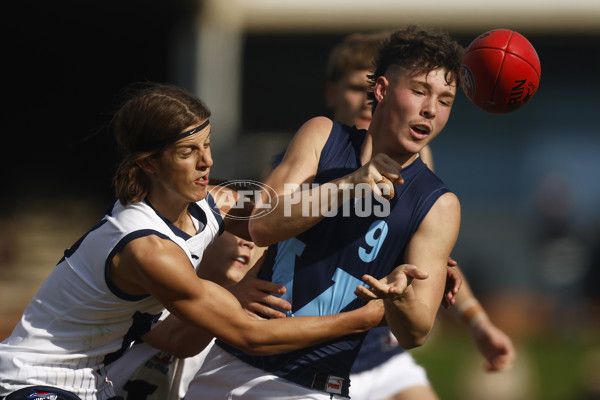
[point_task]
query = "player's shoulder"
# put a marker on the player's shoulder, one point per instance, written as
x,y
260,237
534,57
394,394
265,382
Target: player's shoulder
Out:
x,y
447,205
319,122
316,127
149,246
150,252
309,140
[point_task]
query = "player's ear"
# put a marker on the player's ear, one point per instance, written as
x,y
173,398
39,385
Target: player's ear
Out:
x,y
330,97
380,88
147,165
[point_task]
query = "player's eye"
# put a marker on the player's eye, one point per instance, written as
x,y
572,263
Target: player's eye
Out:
x,y
185,152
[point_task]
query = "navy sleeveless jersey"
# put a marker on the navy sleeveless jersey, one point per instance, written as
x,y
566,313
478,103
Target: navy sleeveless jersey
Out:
x,y
378,347
322,266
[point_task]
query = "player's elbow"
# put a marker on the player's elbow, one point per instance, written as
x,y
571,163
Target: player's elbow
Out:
x,y
411,337
411,341
261,233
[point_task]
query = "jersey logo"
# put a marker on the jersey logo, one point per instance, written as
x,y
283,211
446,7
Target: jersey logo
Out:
x,y
287,252
334,298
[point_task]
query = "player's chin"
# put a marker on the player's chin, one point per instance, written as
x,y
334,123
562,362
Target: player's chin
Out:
x,y
362,123
199,194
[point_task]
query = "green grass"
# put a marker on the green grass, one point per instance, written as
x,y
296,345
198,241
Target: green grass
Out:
x,y
549,367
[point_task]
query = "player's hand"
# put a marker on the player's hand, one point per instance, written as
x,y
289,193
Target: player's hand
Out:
x,y
453,284
392,286
379,173
495,346
255,294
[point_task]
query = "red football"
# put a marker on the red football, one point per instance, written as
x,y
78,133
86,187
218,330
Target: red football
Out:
x,y
500,71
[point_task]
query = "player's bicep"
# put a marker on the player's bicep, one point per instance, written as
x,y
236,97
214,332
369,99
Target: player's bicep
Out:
x,y
431,246
159,267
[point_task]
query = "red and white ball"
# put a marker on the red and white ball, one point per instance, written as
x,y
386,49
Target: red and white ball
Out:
x,y
500,71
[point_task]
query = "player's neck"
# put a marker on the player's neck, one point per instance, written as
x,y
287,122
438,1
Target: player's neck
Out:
x,y
370,148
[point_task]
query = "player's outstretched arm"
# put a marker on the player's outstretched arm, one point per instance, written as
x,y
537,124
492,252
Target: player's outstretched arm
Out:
x,y
158,267
495,345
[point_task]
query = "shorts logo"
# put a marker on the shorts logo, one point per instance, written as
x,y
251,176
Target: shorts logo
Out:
x,y
43,396
334,384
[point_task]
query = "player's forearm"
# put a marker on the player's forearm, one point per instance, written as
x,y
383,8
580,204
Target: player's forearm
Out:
x,y
178,338
467,307
284,222
224,318
284,335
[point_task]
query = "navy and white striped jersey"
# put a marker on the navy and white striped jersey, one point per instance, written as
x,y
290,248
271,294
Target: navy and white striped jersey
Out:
x,y
79,321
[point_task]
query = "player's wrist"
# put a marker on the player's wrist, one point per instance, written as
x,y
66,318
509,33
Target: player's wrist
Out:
x,y
471,312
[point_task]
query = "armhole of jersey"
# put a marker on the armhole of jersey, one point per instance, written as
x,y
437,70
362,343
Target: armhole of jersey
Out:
x,y
119,246
217,213
328,146
428,203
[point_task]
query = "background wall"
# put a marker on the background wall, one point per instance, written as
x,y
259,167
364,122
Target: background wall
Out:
x,y
528,181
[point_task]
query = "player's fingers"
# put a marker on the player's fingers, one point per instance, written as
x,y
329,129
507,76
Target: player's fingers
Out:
x,y
270,287
364,294
375,284
386,187
396,178
502,363
387,166
448,300
445,303
415,272
277,302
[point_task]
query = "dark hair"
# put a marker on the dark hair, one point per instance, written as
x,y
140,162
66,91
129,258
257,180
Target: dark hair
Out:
x,y
151,113
355,53
420,50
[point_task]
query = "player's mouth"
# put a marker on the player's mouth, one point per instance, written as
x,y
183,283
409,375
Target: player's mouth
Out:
x,y
244,260
420,131
203,180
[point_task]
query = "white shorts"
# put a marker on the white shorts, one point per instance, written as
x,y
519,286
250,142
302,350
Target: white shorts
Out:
x,y
170,379
395,375
225,377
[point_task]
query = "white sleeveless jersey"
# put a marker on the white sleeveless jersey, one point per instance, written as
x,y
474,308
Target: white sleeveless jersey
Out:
x,y
79,321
